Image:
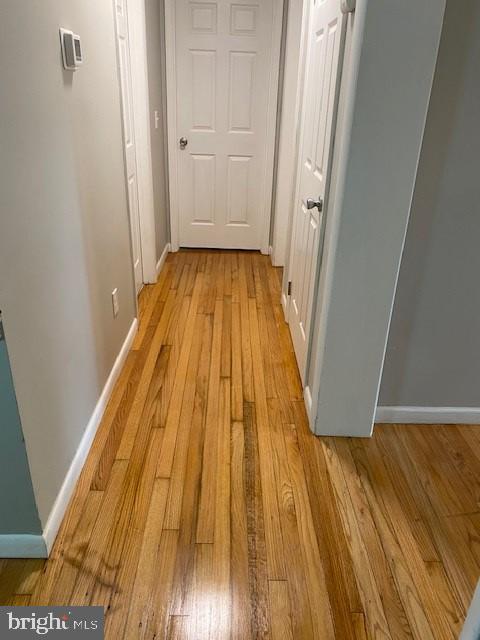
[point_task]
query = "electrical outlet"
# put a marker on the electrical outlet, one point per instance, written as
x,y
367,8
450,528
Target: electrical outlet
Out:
x,y
115,303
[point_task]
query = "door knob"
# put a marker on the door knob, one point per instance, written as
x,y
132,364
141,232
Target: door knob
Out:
x,y
311,204
183,142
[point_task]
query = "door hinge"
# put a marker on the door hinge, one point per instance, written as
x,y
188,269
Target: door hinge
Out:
x,y
289,288
347,6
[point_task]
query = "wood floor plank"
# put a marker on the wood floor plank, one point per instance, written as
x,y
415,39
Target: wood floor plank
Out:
x,y
447,491
177,475
181,602
241,629
463,460
359,626
222,606
368,555
257,555
165,462
157,618
132,422
247,371
89,569
207,509
418,596
75,555
340,578
178,628
236,364
450,604
109,452
19,577
141,598
457,559
206,512
314,572
203,593
280,613
295,572
273,532
151,302
388,447
125,545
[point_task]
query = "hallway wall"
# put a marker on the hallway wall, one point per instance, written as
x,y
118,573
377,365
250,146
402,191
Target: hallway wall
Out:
x,y
433,351
64,240
154,13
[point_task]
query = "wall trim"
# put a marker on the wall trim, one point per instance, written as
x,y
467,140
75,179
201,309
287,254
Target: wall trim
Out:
x,y
163,257
16,545
307,398
63,498
428,415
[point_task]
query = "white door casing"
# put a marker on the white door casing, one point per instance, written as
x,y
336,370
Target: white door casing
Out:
x,y
126,88
222,84
320,104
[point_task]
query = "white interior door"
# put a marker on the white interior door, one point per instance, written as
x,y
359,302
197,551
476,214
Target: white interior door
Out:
x,y
225,86
323,70
129,136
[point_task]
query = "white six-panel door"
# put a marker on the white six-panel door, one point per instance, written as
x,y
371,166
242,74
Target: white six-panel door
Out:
x,y
124,64
225,83
323,70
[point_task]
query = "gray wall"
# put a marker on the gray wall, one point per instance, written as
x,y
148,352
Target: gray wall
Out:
x,y
18,511
64,240
433,350
155,34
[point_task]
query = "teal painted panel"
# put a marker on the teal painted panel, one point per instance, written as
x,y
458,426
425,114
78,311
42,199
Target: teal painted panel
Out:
x,y
18,510
22,546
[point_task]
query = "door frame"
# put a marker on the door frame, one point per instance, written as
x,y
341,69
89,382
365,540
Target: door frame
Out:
x,y
171,90
137,39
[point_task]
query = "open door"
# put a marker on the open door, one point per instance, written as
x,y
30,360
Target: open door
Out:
x,y
322,83
124,64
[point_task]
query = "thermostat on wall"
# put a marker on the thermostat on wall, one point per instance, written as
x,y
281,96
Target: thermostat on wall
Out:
x,y
71,49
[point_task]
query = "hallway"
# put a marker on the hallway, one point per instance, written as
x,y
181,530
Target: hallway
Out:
x,y
206,508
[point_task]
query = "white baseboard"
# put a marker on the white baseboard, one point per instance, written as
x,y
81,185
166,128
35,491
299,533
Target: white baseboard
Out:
x,y
162,258
428,415
307,398
22,546
61,503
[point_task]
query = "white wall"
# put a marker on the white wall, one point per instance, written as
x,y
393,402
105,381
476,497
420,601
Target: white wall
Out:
x,y
394,50
433,351
64,239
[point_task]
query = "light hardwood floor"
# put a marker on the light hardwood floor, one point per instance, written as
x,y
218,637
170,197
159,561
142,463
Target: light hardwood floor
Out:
x,y
207,509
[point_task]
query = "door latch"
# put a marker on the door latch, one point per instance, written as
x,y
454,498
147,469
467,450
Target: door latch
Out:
x,y
311,204
183,142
